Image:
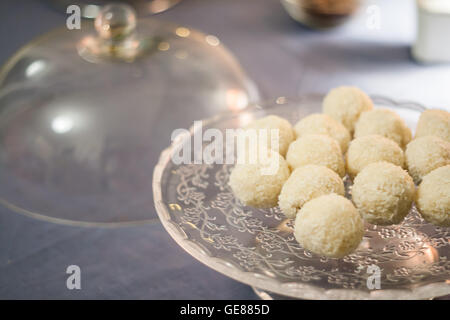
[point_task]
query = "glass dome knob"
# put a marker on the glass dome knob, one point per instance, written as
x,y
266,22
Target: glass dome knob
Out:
x,y
115,22
116,36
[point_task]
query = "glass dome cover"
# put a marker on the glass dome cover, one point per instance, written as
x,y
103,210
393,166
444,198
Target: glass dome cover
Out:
x,y
85,113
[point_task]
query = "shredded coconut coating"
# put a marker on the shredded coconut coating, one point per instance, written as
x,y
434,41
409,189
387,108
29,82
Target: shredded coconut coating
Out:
x,y
329,225
433,197
425,154
286,132
345,104
318,123
369,149
316,149
306,183
434,122
256,189
383,122
383,193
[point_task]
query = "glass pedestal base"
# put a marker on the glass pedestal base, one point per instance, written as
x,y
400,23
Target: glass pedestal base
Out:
x,y
267,295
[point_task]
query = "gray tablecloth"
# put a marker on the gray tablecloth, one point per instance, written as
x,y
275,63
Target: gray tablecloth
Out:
x,y
284,59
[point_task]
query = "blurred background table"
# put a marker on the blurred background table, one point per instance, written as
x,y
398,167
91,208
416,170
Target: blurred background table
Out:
x,y
284,59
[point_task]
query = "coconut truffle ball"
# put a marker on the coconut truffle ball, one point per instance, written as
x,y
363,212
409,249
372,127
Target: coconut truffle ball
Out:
x,y
345,104
425,154
434,123
286,132
369,149
329,225
320,123
306,183
316,149
385,123
383,193
433,197
258,183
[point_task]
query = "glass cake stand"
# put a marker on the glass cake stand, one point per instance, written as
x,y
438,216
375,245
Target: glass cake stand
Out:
x,y
85,114
257,247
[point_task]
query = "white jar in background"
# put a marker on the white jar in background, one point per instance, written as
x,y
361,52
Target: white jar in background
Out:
x,y
433,31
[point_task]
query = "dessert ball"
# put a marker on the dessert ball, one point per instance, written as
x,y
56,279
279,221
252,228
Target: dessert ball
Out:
x,y
345,104
286,132
259,183
425,154
434,123
433,197
316,149
385,123
383,193
329,225
369,149
320,123
306,183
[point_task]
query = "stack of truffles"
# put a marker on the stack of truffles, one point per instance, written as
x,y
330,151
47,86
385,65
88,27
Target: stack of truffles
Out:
x,y
318,152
